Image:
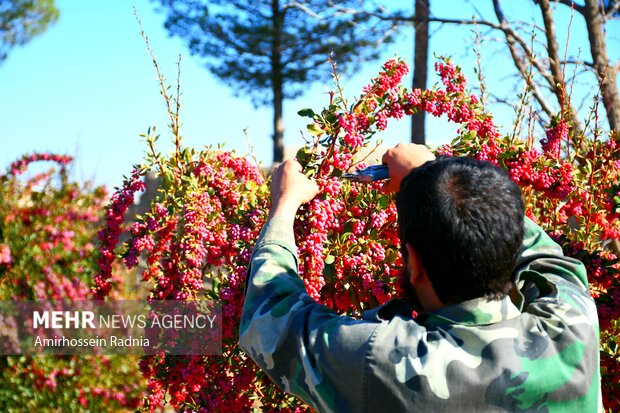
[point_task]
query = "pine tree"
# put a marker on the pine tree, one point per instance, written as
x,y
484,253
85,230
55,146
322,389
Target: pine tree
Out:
x,y
21,20
270,50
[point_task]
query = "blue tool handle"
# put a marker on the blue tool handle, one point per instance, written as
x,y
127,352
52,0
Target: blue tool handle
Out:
x,y
380,172
369,174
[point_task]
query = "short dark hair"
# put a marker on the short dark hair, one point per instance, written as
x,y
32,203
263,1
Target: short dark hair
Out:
x,y
464,218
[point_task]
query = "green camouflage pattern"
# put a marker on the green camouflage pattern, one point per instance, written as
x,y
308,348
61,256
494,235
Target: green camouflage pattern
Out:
x,y
535,351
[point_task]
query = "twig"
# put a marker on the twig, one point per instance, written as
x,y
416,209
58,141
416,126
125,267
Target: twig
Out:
x,y
595,134
367,155
479,65
252,153
571,3
151,142
529,143
173,115
511,39
568,31
177,137
578,62
613,9
522,105
576,123
332,144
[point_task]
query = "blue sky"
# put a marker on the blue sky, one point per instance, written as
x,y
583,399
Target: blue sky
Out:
x,y
87,88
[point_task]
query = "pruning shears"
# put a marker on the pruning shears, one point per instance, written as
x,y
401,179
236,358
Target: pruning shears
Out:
x,y
369,174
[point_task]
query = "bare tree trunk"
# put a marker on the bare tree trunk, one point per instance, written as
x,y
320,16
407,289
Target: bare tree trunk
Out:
x,y
276,82
559,82
552,47
420,67
606,74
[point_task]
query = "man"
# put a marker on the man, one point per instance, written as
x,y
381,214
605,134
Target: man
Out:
x,y
507,322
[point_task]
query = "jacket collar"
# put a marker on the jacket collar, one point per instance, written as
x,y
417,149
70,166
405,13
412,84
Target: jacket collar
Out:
x,y
478,311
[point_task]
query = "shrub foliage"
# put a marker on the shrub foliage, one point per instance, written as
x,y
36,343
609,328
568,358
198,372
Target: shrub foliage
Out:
x,y
196,239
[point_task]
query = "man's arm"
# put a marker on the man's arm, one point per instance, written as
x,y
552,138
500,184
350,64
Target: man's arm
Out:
x,y
304,347
541,254
550,281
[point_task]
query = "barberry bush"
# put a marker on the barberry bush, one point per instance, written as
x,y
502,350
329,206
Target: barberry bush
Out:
x,y
48,231
197,238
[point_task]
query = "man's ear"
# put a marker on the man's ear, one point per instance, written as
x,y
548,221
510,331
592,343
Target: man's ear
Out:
x,y
417,273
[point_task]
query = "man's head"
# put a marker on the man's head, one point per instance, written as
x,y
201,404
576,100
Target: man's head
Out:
x,y
463,221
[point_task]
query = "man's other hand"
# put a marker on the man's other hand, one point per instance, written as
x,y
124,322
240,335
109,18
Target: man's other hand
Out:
x,y
290,188
401,159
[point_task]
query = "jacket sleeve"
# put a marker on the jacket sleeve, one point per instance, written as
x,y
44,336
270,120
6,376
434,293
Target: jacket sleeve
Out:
x,y
541,254
560,317
304,347
553,286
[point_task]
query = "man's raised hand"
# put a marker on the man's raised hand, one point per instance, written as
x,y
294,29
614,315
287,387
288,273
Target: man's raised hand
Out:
x,y
290,188
401,159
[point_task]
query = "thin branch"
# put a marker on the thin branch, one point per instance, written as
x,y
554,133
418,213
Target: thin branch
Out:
x,y
473,5
558,71
520,64
160,76
479,67
571,4
552,50
150,139
612,10
504,27
377,145
568,32
523,103
573,78
248,141
598,48
304,8
578,62
177,137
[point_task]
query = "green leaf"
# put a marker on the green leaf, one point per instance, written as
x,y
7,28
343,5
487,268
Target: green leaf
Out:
x,y
307,113
348,227
330,259
329,273
345,236
391,256
315,129
168,180
331,117
383,202
304,155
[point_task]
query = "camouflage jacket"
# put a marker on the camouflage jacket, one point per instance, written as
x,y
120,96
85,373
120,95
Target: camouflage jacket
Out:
x,y
536,352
